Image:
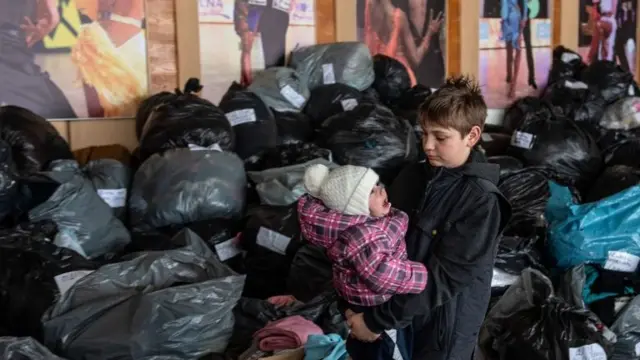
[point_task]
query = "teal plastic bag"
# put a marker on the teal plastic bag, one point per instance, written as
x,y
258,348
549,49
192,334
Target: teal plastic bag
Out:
x,y
606,232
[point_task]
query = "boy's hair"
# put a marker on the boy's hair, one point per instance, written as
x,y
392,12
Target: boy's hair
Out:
x,y
457,104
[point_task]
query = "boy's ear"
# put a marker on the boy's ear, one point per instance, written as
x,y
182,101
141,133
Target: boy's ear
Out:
x,y
474,136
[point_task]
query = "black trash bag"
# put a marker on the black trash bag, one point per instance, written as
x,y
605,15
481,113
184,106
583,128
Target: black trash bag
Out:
x,y
138,308
310,273
252,315
508,164
29,264
408,104
86,224
530,323
328,100
26,348
566,64
371,95
525,110
371,136
286,155
111,179
342,62
623,115
185,121
562,147
497,129
148,106
8,181
184,186
253,123
613,180
577,101
495,144
293,127
34,142
528,192
609,79
271,238
392,79
625,152
517,253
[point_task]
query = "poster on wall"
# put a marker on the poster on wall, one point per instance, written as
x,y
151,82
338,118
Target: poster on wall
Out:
x,y
411,31
70,59
608,31
239,37
515,49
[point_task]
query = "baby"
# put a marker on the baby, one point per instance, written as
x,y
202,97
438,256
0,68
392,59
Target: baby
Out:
x,y
347,212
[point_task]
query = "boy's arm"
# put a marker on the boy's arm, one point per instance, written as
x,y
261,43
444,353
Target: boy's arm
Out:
x,y
379,268
453,264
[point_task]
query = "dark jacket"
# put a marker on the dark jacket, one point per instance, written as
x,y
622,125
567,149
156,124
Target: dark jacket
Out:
x,y
456,217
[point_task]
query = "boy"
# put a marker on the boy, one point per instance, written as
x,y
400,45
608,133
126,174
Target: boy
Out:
x,y
453,230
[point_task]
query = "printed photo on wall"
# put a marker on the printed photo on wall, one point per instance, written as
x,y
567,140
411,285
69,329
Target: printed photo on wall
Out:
x,y
239,37
68,59
515,49
608,31
411,31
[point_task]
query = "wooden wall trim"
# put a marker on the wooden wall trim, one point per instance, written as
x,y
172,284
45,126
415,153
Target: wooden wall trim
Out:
x,y
566,11
187,40
453,42
469,25
326,13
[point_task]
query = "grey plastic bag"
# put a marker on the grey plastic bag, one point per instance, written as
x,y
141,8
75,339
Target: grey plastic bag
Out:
x,y
347,63
111,179
85,222
281,88
624,114
165,303
283,186
12,348
627,329
183,186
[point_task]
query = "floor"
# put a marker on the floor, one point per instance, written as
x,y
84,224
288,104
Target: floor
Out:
x,y
493,72
221,63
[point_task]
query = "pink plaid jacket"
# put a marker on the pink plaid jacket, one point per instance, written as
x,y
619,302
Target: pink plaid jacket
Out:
x,y
369,254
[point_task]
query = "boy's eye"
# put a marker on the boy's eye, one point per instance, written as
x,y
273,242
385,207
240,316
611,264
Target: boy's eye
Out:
x,y
441,138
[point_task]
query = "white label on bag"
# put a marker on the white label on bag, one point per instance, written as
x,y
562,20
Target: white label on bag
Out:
x,y
569,57
292,96
115,198
638,349
227,249
349,104
214,147
621,261
328,76
632,91
486,137
283,5
65,281
258,2
588,352
241,116
522,140
575,85
502,279
273,240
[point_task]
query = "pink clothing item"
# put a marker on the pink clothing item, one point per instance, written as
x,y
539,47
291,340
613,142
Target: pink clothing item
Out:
x,y
288,333
282,300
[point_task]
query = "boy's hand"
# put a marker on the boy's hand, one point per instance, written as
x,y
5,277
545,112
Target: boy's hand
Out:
x,y
359,329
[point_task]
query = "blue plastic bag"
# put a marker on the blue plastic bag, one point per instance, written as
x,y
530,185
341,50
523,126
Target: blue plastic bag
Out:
x,y
595,233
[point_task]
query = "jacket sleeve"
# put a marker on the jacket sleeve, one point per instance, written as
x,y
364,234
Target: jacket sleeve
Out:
x,y
453,264
379,268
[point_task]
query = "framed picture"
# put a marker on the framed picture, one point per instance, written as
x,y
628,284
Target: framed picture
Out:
x,y
515,49
74,59
239,37
608,30
386,26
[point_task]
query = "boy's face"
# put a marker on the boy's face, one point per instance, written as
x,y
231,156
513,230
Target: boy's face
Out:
x,y
446,147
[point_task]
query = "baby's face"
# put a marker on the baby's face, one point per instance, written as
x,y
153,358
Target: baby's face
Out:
x,y
379,204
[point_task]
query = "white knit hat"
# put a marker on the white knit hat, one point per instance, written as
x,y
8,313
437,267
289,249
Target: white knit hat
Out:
x,y
345,188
